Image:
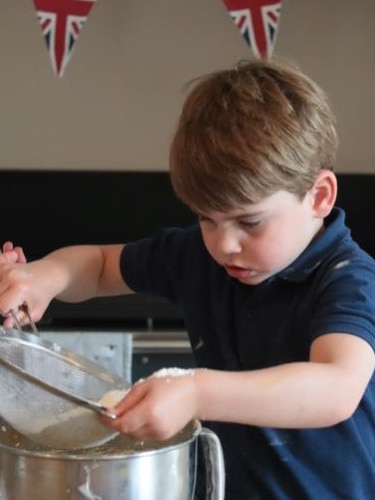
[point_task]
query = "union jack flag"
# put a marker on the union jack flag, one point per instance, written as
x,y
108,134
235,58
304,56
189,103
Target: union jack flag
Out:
x,y
61,22
257,21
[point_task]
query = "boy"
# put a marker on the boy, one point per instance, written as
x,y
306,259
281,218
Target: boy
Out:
x,y
278,300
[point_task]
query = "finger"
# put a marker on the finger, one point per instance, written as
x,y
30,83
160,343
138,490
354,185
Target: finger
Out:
x,y
7,246
130,423
131,412
124,407
12,321
8,322
9,256
20,255
136,424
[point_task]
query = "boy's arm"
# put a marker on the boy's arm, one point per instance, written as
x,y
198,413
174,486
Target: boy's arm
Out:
x,y
318,393
71,274
87,271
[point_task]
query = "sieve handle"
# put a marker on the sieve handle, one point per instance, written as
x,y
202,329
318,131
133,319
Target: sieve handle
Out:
x,y
24,308
92,405
16,320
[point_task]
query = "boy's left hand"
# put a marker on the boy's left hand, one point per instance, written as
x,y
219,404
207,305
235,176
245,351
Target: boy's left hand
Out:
x,y
157,408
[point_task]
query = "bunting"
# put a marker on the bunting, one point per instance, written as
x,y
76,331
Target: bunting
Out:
x,y
61,22
257,21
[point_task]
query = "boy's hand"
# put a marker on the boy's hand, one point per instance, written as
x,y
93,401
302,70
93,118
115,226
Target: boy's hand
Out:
x,y
13,254
157,408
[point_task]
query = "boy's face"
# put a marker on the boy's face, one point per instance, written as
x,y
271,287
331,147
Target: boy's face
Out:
x,y
254,242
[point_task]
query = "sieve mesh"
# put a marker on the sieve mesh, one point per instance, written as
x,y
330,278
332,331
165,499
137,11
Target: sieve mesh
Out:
x,y
41,415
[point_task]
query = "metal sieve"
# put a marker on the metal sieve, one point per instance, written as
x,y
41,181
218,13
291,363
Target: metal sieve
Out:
x,y
51,395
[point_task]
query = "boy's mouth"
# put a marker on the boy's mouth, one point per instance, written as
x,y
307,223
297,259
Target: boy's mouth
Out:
x,y
239,272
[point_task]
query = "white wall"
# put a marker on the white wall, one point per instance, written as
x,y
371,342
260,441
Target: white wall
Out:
x,y
118,102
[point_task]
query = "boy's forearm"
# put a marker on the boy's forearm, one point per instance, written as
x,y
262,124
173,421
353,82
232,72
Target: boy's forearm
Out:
x,y
295,395
73,274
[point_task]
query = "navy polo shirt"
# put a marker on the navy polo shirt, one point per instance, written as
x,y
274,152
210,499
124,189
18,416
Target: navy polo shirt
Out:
x,y
330,287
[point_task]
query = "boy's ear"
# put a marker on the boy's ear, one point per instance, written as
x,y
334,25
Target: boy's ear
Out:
x,y
324,193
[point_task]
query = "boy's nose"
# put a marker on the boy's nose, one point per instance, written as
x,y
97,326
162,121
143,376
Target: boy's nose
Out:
x,y
227,243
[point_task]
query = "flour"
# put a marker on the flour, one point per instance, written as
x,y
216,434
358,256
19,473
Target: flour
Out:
x,y
85,488
80,427
111,398
172,372
77,428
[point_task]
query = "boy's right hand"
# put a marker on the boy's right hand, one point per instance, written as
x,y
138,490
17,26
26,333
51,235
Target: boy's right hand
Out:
x,y
13,252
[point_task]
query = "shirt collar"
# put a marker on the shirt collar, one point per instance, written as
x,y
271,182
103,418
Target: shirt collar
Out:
x,y
335,231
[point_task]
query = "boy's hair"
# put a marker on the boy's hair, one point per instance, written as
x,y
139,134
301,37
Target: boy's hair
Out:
x,y
247,132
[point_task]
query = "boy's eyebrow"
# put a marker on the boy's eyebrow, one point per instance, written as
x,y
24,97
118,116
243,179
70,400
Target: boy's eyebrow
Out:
x,y
247,213
251,211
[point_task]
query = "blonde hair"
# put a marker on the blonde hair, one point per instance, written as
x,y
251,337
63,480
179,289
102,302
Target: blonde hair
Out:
x,y
247,132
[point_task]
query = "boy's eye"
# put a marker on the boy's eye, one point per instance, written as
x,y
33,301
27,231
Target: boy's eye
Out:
x,y
203,218
249,223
